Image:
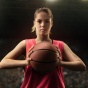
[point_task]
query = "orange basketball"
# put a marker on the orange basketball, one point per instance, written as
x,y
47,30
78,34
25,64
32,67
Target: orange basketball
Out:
x,y
44,57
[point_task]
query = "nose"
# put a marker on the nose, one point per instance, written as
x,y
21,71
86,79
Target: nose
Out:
x,y
43,24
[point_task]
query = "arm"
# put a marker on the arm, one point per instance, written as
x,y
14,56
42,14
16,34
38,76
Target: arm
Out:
x,y
72,61
10,60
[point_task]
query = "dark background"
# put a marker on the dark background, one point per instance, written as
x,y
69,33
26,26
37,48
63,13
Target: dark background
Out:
x,y
70,24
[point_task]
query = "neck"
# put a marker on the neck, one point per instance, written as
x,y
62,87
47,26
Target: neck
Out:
x,y
43,38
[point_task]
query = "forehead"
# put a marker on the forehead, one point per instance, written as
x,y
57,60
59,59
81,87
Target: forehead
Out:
x,y
42,15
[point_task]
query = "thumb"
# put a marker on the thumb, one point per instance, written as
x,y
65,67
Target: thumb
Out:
x,y
29,59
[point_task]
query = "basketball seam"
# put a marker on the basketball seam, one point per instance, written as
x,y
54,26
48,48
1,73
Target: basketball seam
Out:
x,y
44,49
43,61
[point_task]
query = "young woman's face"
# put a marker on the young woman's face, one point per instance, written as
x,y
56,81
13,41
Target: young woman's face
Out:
x,y
43,23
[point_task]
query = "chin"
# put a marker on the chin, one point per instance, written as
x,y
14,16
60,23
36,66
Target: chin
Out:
x,y
43,33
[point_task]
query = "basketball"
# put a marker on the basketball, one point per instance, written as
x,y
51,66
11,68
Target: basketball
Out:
x,y
43,57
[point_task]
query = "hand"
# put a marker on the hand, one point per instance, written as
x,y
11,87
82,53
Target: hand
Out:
x,y
28,55
30,51
58,55
28,61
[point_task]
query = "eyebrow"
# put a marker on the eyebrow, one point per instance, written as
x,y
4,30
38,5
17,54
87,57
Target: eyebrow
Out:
x,y
40,19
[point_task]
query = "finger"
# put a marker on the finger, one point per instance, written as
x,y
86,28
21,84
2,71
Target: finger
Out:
x,y
30,51
29,59
58,50
58,54
31,48
56,46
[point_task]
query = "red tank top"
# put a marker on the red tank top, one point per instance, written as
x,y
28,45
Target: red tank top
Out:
x,y
52,79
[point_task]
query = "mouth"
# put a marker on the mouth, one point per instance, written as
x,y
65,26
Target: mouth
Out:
x,y
42,29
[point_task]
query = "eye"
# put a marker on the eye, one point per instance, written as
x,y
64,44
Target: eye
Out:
x,y
47,21
39,21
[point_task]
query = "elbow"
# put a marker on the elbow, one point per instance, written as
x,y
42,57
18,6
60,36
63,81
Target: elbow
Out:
x,y
80,68
83,67
0,65
3,64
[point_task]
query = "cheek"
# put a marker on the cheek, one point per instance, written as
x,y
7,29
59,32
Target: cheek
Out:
x,y
37,26
49,27
37,32
37,29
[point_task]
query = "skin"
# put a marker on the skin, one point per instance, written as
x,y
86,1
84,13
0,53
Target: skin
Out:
x,y
43,24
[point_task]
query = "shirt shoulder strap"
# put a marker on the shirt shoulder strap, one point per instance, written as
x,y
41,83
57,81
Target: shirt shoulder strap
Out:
x,y
29,44
59,44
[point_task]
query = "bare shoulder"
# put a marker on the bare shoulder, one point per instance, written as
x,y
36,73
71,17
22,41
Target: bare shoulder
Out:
x,y
65,46
21,44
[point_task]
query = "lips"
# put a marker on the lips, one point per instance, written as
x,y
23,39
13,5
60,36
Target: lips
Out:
x,y
42,29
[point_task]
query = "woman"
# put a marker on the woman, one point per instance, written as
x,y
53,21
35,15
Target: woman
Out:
x,y
43,22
